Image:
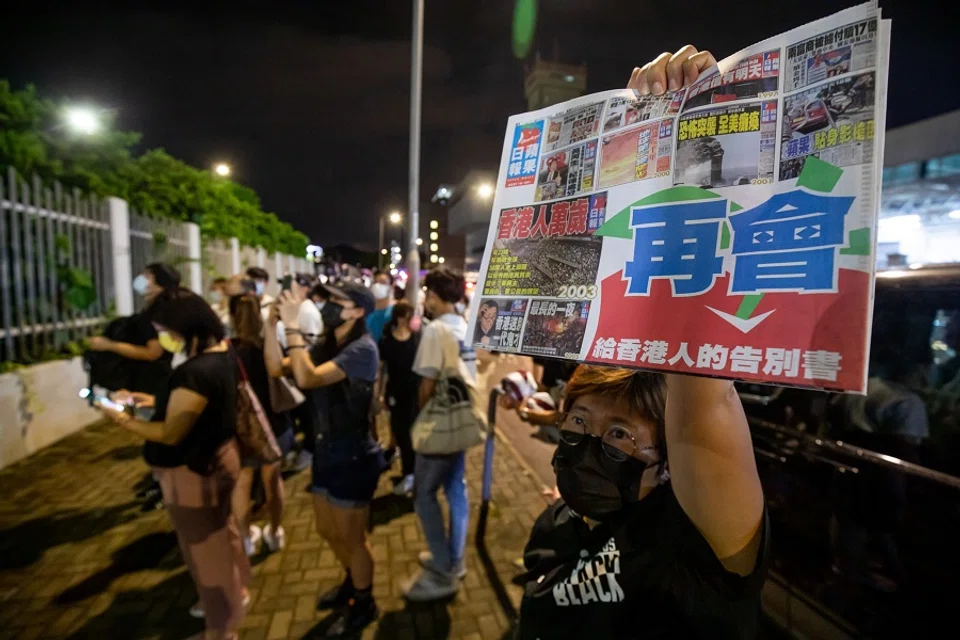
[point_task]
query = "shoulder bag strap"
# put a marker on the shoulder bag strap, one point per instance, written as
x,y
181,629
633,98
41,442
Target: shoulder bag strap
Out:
x,y
239,361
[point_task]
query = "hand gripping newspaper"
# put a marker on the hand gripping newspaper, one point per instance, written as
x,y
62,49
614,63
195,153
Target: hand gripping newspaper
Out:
x,y
725,229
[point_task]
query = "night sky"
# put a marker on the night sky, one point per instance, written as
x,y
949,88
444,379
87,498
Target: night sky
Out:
x,y
309,101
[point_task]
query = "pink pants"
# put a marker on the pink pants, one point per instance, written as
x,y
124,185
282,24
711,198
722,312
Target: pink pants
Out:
x,y
200,509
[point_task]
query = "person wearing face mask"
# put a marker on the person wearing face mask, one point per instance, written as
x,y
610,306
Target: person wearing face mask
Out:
x,y
661,529
191,447
219,300
338,375
382,290
148,365
260,278
397,387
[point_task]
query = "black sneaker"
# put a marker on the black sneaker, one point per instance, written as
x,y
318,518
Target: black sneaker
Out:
x,y
358,615
337,596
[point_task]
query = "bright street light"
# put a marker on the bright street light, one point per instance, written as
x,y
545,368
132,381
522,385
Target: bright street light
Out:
x,y
383,251
395,218
82,120
485,190
222,169
419,241
441,259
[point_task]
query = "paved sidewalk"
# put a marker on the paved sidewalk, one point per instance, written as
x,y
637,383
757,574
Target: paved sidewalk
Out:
x,y
79,560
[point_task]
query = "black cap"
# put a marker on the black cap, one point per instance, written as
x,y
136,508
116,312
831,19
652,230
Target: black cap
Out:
x,y
358,293
305,279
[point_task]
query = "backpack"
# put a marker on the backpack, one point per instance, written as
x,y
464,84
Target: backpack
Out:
x,y
112,371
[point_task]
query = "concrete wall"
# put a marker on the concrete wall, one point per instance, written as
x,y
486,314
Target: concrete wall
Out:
x,y
39,405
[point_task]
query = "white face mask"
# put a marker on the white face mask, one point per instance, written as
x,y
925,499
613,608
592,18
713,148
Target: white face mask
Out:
x,y
380,291
460,308
140,284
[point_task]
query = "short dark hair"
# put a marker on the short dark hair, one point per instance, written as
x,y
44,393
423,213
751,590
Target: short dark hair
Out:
x,y
163,274
447,284
402,309
219,280
258,273
490,303
382,272
188,314
319,291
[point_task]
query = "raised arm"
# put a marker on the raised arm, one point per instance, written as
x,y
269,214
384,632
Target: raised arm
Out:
x,y
149,352
277,365
712,467
305,373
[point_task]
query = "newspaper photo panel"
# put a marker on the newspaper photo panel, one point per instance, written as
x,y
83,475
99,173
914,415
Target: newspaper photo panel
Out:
x,y
500,322
727,229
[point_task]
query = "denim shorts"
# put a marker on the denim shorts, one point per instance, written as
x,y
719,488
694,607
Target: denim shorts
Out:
x,y
346,470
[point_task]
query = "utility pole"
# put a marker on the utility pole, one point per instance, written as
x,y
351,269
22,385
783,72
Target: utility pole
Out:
x,y
416,82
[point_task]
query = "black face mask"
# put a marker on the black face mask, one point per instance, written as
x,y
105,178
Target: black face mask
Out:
x,y
591,483
330,314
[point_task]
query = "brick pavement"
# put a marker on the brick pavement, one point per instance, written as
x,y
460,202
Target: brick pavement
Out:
x,y
79,560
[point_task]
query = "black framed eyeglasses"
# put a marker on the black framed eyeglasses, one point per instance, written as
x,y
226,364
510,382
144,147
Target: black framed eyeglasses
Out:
x,y
617,442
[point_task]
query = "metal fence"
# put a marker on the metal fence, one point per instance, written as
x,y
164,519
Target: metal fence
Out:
x,y
67,263
217,261
156,240
55,267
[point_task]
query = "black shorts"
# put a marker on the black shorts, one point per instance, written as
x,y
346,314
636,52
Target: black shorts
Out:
x,y
346,470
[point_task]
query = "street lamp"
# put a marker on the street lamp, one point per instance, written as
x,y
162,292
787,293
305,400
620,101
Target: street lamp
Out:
x,y
222,169
395,218
485,190
82,120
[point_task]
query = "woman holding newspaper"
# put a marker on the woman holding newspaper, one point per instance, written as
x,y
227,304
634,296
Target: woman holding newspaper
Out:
x,y
644,543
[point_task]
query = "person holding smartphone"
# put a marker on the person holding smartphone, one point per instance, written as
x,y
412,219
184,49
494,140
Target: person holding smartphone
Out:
x,y
338,375
191,447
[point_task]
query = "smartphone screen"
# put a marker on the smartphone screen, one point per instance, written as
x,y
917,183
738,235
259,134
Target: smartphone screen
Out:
x,y
286,283
103,401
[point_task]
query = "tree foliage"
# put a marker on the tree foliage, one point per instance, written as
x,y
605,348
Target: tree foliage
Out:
x,y
33,140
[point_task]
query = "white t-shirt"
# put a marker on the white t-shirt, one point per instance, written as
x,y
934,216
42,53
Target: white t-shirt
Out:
x,y
429,361
310,321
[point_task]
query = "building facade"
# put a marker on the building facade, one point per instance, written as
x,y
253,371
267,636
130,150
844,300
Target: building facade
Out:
x,y
920,202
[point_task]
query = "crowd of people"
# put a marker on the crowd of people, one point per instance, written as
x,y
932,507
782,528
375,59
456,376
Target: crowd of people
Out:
x,y
659,529
558,262
323,361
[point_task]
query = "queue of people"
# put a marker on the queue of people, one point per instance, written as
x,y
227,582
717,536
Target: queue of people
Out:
x,y
660,527
320,359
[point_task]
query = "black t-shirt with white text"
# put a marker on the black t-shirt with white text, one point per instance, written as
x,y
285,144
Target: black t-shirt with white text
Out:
x,y
650,575
213,376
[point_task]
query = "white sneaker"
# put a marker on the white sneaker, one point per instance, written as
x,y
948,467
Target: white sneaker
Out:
x,y
277,541
197,610
404,487
430,585
426,561
251,543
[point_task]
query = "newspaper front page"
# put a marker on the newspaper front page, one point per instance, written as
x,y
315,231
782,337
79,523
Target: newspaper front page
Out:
x,y
726,229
